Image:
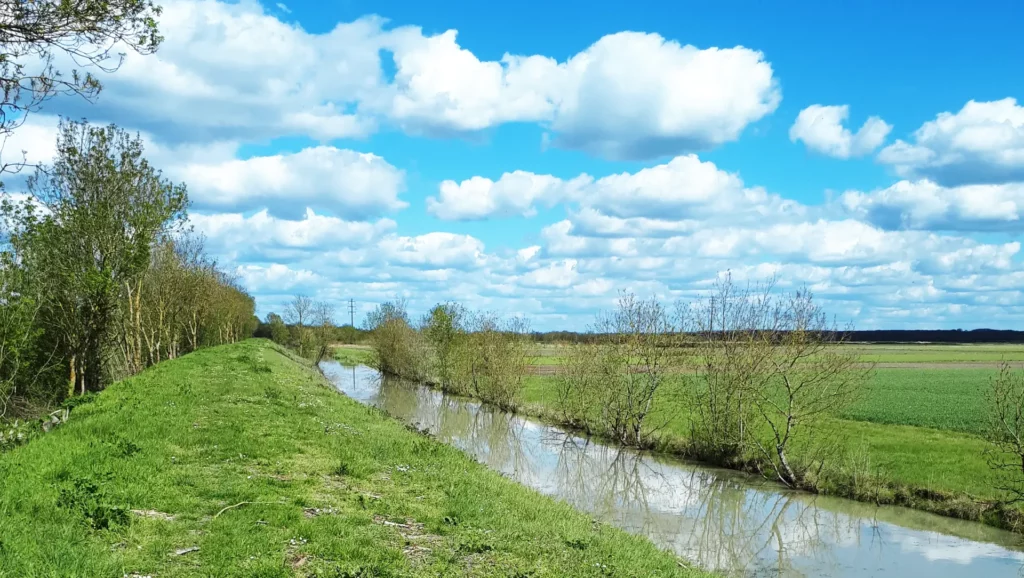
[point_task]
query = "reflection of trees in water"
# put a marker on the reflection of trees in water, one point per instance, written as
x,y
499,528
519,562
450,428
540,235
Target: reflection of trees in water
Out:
x,y
711,518
714,521
739,528
400,399
491,435
602,479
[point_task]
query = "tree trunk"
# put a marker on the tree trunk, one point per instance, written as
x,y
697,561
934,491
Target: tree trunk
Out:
x,y
74,377
787,472
81,375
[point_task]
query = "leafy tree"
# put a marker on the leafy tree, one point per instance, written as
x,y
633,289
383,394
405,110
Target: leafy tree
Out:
x,y
493,362
278,330
396,345
445,331
86,235
47,47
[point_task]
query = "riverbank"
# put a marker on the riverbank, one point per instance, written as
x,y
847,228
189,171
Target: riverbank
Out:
x,y
238,461
737,524
943,471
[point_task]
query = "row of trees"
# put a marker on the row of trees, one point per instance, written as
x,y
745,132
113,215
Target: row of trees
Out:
x,y
307,327
99,275
461,351
751,371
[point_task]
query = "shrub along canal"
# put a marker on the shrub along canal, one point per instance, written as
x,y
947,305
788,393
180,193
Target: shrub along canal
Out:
x,y
719,519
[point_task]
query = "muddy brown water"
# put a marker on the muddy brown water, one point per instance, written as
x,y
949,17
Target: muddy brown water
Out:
x,y
720,520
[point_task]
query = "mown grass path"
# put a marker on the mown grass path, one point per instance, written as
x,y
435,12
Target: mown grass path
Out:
x,y
237,461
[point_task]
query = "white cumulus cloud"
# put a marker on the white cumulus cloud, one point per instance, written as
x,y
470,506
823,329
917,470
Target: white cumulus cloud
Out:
x,y
983,143
924,204
821,129
638,96
434,250
345,182
514,194
242,74
665,197
263,236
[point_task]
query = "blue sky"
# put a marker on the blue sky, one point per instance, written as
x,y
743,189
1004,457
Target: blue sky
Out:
x,y
536,159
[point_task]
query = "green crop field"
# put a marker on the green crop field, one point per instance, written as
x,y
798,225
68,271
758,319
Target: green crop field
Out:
x,y
948,399
935,353
549,355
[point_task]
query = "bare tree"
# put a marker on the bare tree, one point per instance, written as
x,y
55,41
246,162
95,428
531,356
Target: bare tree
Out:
x,y
1006,431
724,326
640,352
582,383
299,310
771,368
810,376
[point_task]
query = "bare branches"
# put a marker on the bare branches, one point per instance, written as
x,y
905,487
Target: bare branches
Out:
x,y
299,310
46,47
1006,431
611,386
770,366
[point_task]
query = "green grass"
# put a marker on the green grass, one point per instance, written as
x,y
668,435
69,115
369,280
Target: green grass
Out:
x,y
946,399
248,457
895,353
349,355
934,353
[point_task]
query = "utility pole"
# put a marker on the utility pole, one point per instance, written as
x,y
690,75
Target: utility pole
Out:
x,y
352,313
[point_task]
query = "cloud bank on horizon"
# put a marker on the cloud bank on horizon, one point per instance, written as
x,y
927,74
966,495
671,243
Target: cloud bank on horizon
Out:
x,y
366,160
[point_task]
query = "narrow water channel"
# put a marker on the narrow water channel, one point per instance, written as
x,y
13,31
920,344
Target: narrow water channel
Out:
x,y
719,519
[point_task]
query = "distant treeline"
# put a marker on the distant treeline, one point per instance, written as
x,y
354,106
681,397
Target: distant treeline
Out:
x,y
872,336
345,334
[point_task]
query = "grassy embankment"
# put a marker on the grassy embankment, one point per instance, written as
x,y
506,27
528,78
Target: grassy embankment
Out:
x,y
237,461
915,430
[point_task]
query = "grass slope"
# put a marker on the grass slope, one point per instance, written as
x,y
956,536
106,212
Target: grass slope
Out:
x,y
237,461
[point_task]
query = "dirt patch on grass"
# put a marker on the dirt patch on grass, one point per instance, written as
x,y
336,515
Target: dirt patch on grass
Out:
x,y
153,514
418,544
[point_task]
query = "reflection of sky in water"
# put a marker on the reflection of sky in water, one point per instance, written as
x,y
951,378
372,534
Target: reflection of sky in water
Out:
x,y
717,518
